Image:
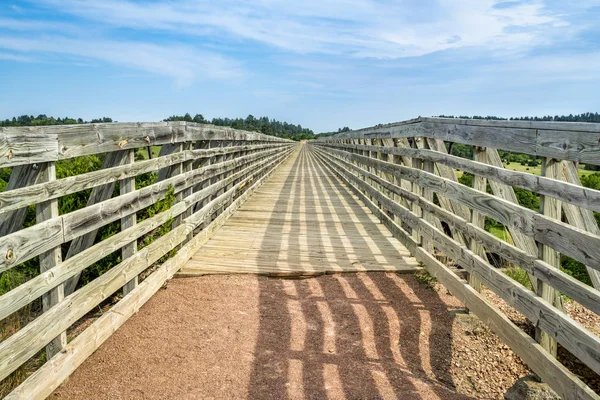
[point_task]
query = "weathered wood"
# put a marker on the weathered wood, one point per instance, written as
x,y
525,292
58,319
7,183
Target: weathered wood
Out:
x,y
576,142
28,145
559,378
251,226
575,289
19,146
579,217
478,219
48,210
551,208
580,245
127,185
21,176
35,287
565,191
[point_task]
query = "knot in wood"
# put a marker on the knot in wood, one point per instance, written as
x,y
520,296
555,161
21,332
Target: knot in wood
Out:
x,y
10,154
9,255
122,143
147,139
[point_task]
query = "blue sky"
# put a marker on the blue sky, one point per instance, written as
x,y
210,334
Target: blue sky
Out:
x,y
323,64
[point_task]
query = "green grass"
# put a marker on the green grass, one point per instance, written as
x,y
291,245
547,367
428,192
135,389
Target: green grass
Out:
x,y
519,275
499,232
425,278
144,152
515,166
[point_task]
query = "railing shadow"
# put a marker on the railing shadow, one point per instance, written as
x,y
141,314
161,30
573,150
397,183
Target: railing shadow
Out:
x,y
366,335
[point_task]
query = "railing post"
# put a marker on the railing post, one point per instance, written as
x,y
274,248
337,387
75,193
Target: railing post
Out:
x,y
550,207
200,163
188,166
177,169
477,218
45,211
125,186
417,163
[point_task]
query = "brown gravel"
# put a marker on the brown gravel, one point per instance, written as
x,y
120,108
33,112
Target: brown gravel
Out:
x,y
355,336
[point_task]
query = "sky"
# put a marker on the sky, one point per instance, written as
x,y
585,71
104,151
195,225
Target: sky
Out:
x,y
324,64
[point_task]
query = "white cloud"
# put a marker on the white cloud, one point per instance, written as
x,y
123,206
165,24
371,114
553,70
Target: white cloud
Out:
x,y
180,62
362,28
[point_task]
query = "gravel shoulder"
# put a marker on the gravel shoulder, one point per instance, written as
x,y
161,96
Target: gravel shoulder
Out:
x,y
354,336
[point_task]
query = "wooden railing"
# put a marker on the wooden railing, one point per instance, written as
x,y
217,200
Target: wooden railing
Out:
x,y
404,174
206,171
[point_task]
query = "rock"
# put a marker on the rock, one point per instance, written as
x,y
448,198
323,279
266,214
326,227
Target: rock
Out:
x,y
530,388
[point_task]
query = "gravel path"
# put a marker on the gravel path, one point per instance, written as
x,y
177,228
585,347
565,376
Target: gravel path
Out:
x,y
355,336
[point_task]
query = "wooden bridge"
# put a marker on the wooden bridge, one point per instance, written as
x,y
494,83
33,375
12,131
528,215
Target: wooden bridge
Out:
x,y
222,201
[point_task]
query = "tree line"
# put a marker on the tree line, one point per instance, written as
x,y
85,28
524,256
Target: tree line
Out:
x,y
584,117
43,119
264,125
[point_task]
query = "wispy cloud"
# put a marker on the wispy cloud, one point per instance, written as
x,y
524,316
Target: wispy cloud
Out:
x,y
362,28
313,57
183,63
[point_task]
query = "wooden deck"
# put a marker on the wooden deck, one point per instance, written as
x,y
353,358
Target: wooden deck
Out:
x,y
302,221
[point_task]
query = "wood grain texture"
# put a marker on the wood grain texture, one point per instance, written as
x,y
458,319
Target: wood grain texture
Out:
x,y
575,289
565,191
33,144
565,141
45,211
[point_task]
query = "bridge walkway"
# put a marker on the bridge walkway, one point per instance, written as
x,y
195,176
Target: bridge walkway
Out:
x,y
302,221
338,336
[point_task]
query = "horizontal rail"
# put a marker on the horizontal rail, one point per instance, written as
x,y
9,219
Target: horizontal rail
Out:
x,y
30,145
564,191
566,141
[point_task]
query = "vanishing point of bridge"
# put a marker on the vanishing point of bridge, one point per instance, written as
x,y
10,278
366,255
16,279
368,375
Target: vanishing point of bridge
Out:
x,y
236,214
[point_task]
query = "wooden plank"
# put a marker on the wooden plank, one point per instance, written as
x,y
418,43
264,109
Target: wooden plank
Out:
x,y
32,194
573,142
478,219
32,289
559,378
21,176
127,185
20,146
48,210
580,217
575,289
564,191
37,144
552,209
